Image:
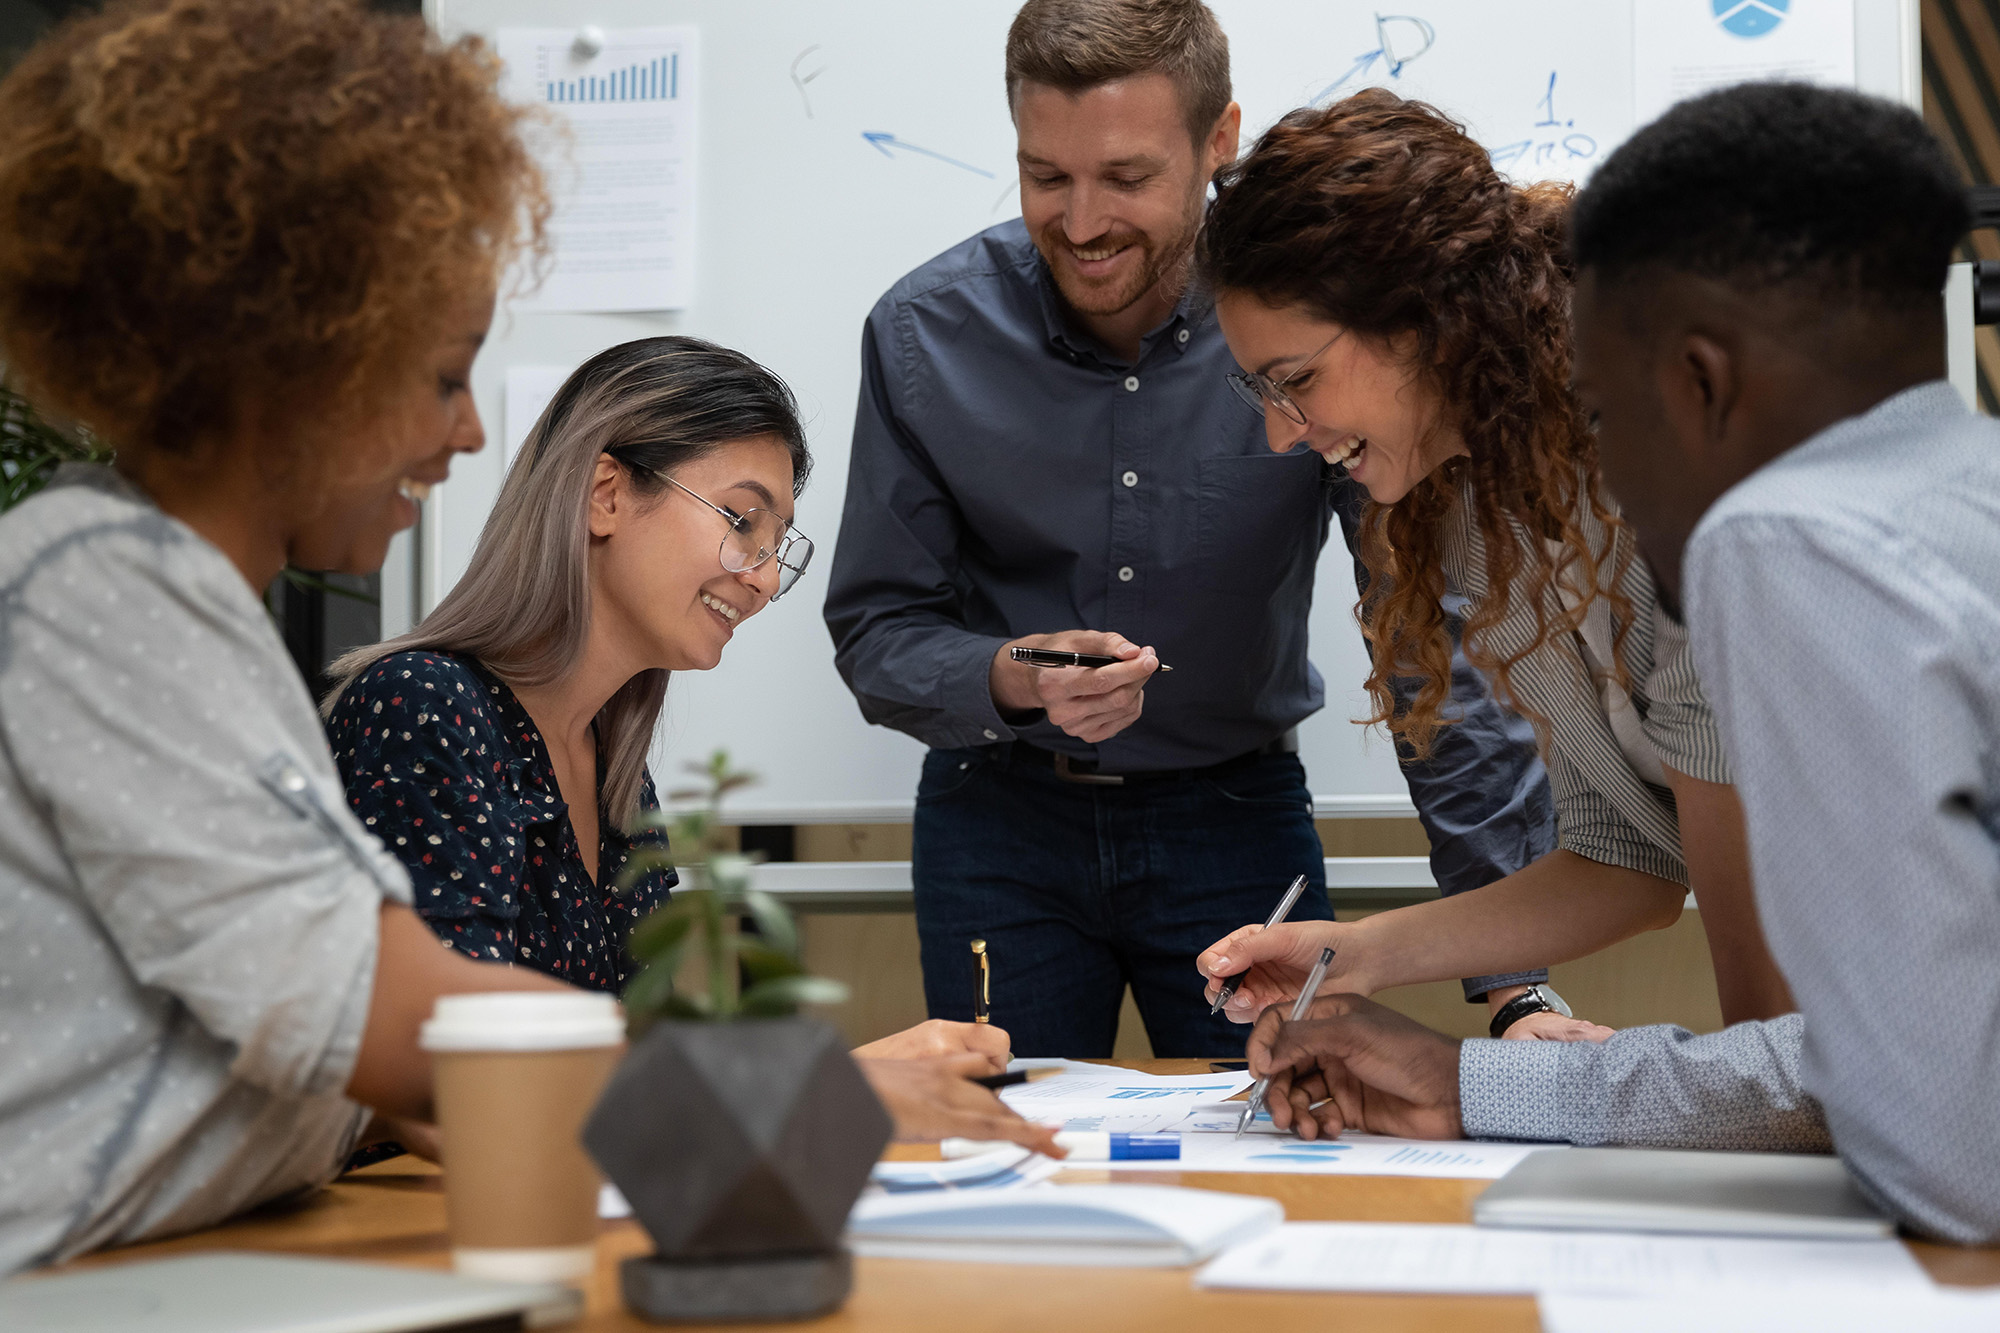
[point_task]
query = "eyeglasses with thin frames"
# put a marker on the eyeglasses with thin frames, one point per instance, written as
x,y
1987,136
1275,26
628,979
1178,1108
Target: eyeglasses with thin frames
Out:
x,y
1257,389
757,535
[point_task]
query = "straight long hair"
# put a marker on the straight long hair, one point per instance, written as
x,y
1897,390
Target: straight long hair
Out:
x,y
523,608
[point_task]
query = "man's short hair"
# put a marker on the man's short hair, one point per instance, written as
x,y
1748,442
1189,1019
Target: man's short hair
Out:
x,y
1779,185
1075,45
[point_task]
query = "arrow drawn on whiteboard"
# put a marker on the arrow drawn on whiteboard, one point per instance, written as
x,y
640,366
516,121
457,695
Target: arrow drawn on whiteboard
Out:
x,y
1393,56
884,142
800,81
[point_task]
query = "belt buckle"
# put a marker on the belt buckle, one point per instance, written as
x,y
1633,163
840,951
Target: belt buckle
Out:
x,y
1068,774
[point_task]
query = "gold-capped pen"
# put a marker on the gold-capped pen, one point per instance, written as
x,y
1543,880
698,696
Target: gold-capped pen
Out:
x,y
982,984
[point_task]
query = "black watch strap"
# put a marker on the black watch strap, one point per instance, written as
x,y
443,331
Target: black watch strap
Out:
x,y
1529,1001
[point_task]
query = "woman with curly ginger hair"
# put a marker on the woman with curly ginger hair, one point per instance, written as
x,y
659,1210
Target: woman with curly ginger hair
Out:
x,y
1402,310
254,244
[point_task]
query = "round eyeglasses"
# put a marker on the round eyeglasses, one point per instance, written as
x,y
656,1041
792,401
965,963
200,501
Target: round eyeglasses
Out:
x,y
1257,390
757,535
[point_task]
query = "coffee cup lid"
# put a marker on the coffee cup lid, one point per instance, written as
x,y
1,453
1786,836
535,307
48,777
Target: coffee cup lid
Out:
x,y
523,1021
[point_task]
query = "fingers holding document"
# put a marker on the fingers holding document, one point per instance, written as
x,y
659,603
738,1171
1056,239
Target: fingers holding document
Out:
x,y
932,1099
1353,1064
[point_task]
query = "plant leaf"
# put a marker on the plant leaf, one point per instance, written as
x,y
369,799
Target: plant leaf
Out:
x,y
774,922
662,930
764,963
781,996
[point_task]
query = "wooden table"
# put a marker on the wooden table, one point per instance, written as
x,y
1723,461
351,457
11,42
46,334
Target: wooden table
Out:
x,y
394,1213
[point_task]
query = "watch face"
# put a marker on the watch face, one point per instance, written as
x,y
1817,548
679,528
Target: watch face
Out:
x,y
1553,1001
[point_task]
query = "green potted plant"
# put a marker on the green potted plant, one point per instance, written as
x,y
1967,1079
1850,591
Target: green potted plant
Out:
x,y
740,1132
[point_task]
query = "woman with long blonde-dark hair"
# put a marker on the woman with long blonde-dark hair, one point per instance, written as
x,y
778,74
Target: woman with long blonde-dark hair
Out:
x,y
1399,307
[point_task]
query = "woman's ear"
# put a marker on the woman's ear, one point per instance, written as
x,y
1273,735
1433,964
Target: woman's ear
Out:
x,y
608,496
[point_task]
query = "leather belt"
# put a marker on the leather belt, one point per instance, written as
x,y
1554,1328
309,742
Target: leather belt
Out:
x,y
1085,771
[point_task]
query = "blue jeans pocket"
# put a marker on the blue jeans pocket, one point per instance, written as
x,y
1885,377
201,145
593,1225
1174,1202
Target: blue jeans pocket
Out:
x,y
947,773
1277,783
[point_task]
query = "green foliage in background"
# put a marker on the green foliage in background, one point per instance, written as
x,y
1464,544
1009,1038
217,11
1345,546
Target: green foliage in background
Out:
x,y
714,895
32,448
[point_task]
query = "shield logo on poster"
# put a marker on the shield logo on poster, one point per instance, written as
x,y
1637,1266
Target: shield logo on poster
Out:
x,y
1750,18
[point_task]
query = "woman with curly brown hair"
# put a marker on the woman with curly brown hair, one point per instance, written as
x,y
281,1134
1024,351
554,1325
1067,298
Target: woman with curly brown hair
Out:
x,y
1401,309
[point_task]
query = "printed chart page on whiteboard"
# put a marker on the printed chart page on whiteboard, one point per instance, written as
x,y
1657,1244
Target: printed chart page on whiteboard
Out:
x,y
619,152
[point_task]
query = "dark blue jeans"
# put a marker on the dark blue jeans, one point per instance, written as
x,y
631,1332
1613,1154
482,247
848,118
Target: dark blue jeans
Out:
x,y
1079,890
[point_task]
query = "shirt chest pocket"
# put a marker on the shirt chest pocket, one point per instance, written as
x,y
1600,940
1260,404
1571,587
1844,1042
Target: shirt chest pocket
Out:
x,y
1258,518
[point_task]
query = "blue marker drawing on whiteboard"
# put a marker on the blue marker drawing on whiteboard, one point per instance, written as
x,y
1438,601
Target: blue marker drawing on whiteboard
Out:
x,y
1562,145
1396,45
884,142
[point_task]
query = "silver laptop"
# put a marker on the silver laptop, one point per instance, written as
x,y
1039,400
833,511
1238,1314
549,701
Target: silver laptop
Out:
x,y
272,1293
1712,1193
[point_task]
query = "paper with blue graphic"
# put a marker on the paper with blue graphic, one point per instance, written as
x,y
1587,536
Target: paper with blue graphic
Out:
x,y
1681,48
1197,1106
1348,1155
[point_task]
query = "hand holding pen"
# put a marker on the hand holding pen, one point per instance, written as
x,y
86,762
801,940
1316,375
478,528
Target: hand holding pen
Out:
x,y
1278,913
1269,962
1255,1101
1092,704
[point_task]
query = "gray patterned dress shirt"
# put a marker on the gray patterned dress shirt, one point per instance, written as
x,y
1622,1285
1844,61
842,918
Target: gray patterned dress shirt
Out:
x,y
187,909
1844,604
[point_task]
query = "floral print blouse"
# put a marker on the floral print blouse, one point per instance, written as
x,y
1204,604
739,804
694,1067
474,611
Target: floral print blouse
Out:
x,y
444,765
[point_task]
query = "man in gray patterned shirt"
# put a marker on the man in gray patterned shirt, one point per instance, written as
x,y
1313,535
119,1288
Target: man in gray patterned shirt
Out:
x,y
1759,336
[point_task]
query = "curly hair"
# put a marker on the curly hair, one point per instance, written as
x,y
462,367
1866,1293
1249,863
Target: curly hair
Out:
x,y
204,202
1382,215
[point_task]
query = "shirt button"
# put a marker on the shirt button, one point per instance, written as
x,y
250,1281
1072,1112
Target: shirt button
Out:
x,y
1131,384
1124,573
992,735
1130,479
1182,336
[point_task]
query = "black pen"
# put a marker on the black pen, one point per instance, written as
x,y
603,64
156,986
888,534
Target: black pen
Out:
x,y
1049,657
982,984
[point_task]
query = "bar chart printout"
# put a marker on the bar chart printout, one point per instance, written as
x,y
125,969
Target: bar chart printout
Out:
x,y
621,166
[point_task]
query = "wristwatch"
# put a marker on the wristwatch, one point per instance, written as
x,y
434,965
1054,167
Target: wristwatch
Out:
x,y
1534,1000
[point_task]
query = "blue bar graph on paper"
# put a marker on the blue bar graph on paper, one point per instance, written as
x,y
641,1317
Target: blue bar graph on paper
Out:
x,y
656,80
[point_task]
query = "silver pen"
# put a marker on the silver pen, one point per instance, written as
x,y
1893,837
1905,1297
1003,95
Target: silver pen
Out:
x,y
1283,910
1255,1101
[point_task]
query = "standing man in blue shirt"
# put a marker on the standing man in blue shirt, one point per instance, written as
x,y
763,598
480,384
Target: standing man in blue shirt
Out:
x,y
1046,455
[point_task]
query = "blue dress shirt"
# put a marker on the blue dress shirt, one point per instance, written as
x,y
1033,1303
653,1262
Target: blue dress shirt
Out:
x,y
1011,476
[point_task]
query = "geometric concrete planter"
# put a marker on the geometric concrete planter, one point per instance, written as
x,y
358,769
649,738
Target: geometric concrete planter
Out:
x,y
741,1146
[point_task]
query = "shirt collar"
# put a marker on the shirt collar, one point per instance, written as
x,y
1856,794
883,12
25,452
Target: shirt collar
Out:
x,y
1907,412
1077,346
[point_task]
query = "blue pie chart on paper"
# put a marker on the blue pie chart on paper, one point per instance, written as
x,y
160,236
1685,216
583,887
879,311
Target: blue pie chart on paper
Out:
x,y
1304,1152
1750,18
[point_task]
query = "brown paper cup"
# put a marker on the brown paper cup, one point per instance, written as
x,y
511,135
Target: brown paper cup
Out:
x,y
516,1075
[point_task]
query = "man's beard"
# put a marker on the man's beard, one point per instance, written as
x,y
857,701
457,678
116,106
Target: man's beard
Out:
x,y
1098,298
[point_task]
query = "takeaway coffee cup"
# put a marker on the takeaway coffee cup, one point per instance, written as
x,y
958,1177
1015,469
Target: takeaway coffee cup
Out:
x,y
516,1075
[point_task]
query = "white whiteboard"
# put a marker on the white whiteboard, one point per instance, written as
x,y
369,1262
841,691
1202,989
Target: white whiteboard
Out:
x,y
804,222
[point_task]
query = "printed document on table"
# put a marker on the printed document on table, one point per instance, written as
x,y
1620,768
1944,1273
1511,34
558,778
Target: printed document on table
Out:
x,y
1682,48
1119,1100
1403,1257
1836,1309
1348,1155
620,158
